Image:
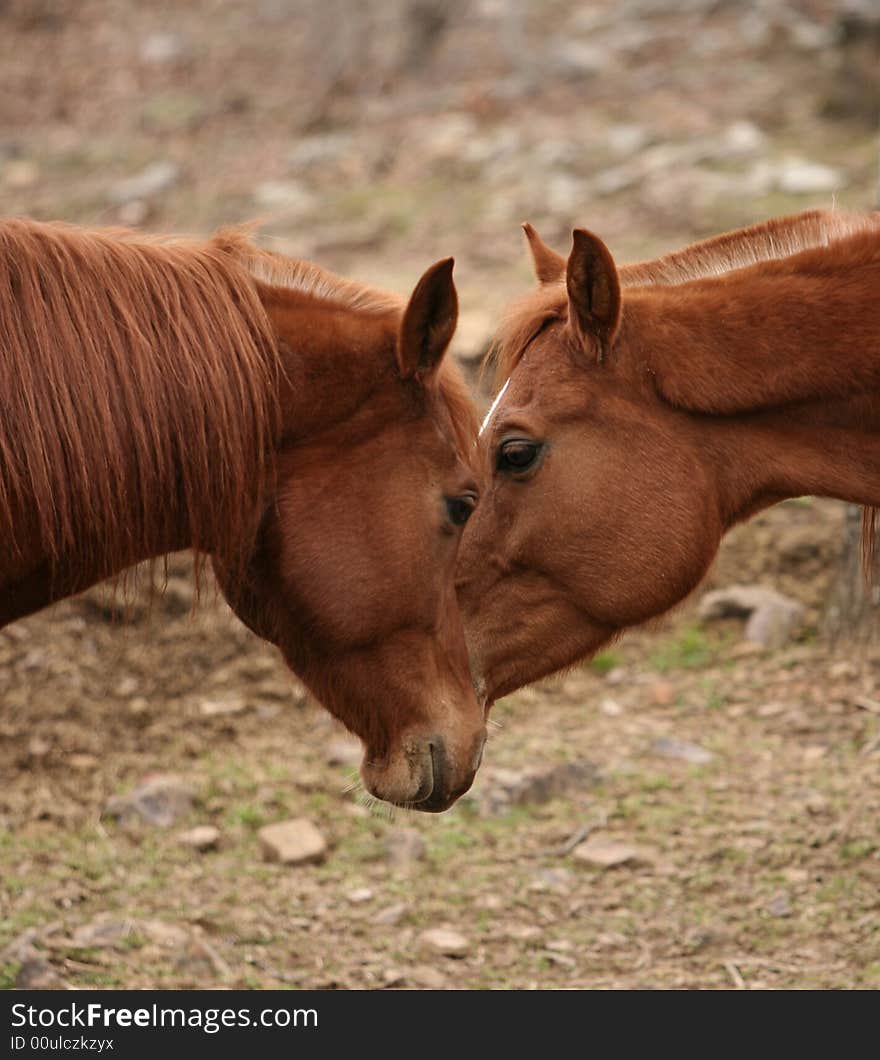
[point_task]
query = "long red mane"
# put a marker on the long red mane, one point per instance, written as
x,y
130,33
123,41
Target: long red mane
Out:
x,y
119,352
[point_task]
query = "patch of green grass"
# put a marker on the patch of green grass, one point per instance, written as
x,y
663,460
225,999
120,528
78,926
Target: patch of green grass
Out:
x,y
448,843
856,849
604,662
247,815
9,975
690,650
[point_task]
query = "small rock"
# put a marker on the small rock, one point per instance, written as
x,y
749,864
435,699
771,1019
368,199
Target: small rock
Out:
x,y
524,933
345,751
81,762
796,875
391,914
404,846
610,707
499,789
159,49
772,617
393,977
38,747
154,179
106,931
160,800
226,706
445,941
360,895
605,854
294,842
780,906
743,137
427,977
203,837
670,747
797,176
35,972
161,933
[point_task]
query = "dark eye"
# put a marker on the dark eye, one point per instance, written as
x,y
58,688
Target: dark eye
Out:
x,y
460,508
517,455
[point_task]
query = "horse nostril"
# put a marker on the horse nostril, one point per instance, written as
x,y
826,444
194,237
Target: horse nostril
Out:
x,y
438,766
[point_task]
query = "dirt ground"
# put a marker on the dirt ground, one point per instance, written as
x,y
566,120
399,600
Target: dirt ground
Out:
x,y
745,783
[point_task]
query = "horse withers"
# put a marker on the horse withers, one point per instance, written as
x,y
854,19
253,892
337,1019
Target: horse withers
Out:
x,y
303,431
643,411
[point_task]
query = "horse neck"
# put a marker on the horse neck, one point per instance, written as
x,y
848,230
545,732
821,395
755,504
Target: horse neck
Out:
x,y
779,365
823,448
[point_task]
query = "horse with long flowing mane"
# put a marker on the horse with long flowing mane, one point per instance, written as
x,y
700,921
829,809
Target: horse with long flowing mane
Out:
x,y
303,431
643,411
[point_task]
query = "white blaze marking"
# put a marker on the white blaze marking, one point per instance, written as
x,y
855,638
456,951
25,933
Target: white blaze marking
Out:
x,y
495,404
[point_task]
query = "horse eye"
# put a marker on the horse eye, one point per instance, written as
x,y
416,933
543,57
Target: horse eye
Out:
x,y
460,508
517,455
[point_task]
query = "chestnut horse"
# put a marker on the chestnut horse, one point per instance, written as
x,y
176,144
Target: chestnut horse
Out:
x,y
302,430
644,411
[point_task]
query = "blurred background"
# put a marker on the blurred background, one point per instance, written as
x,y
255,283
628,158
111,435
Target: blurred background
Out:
x,y
697,807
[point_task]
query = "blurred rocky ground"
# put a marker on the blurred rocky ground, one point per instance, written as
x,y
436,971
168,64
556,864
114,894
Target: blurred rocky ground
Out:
x,y
376,136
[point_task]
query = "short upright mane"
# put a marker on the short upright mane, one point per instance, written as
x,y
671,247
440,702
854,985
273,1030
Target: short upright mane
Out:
x,y
772,240
767,241
133,367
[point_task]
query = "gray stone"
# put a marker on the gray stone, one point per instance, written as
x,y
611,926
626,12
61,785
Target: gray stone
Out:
x,y
294,842
670,747
607,854
34,971
152,181
500,789
391,914
160,800
780,906
445,942
772,617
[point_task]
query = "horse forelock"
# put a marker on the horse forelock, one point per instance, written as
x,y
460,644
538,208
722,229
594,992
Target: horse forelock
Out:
x,y
133,368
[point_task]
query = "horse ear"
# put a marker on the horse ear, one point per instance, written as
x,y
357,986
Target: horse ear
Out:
x,y
593,289
549,266
428,322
